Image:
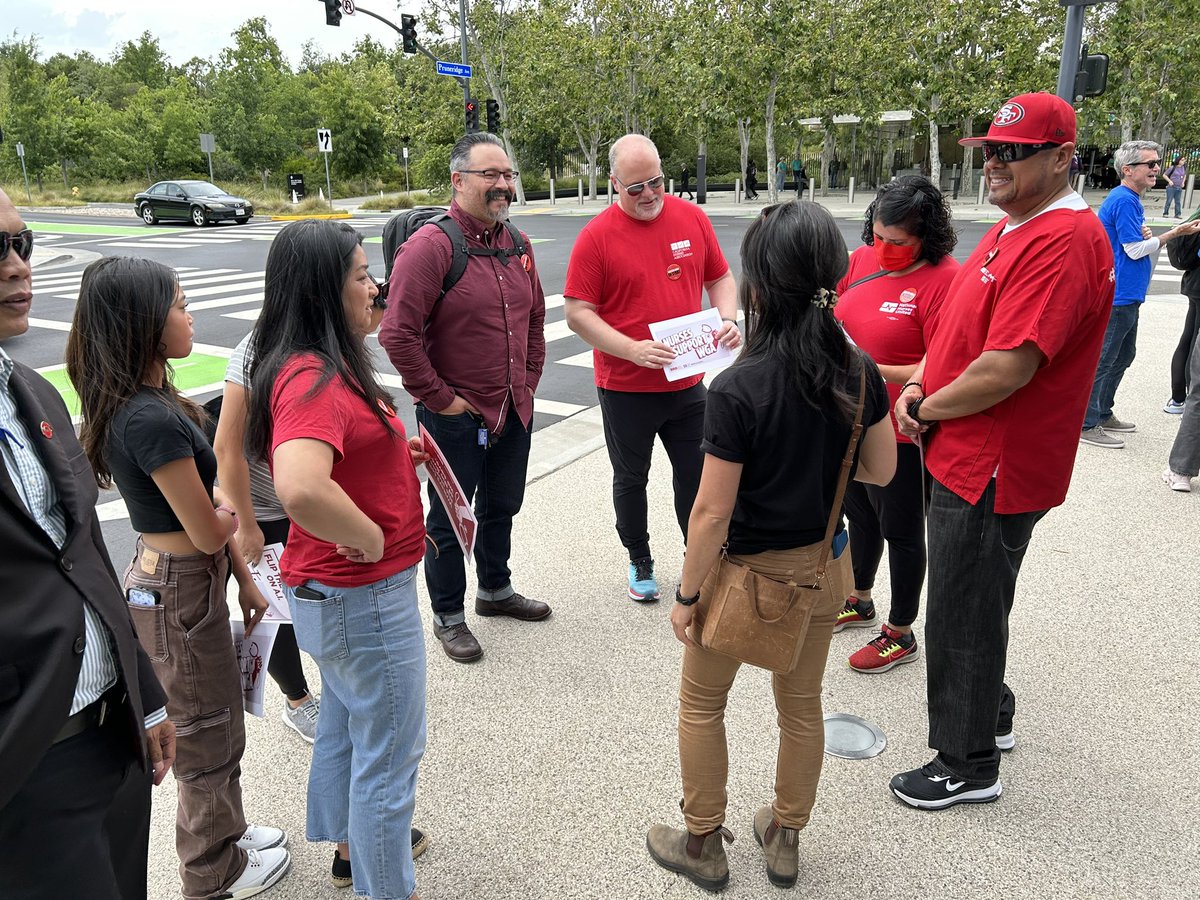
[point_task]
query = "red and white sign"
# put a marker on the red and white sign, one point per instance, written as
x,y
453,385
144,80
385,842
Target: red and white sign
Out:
x,y
254,655
269,580
694,339
441,476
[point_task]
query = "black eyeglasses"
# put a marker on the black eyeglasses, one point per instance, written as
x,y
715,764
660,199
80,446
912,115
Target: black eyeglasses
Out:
x,y
634,189
493,174
1152,163
380,301
22,242
1008,153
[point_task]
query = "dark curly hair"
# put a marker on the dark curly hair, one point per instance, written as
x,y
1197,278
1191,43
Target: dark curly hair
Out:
x,y
912,202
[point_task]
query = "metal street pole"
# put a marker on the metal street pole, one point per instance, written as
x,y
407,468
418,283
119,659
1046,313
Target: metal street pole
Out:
x,y
328,186
1068,65
21,154
462,36
210,171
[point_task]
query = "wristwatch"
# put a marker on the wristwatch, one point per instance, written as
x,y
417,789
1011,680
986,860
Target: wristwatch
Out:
x,y
685,601
232,513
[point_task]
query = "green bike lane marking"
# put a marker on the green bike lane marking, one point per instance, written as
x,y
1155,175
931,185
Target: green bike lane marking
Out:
x,y
108,230
198,370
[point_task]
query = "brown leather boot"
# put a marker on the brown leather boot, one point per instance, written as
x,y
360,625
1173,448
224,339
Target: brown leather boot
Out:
x,y
780,847
701,857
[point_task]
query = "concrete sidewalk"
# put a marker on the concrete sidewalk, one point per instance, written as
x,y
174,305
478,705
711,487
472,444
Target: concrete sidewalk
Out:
x,y
548,760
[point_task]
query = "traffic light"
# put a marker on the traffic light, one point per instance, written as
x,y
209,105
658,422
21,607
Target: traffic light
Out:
x,y
408,32
333,12
493,116
472,116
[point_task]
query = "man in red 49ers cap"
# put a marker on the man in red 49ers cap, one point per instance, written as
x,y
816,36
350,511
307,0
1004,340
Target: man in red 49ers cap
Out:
x,y
998,401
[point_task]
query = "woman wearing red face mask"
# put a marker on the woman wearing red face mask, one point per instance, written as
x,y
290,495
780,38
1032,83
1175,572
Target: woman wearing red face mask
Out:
x,y
888,304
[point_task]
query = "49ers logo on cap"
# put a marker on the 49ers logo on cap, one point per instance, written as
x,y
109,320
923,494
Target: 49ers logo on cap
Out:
x,y
1009,114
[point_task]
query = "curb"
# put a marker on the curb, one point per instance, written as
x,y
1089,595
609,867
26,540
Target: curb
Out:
x,y
336,215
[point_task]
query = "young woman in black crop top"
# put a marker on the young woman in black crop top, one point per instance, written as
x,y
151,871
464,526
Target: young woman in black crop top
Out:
x,y
141,433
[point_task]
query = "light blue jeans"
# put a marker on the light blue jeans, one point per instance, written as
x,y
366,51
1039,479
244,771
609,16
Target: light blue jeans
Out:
x,y
370,648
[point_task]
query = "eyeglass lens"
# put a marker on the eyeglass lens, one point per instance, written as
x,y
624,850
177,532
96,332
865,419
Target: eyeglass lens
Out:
x,y
22,242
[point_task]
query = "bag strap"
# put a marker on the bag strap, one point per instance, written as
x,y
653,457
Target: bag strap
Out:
x,y
865,279
835,514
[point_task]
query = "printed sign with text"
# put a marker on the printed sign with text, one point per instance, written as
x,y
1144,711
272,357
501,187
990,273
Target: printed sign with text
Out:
x,y
270,581
441,476
694,339
253,653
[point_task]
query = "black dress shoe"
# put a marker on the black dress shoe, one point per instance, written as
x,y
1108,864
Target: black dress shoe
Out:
x,y
458,642
516,606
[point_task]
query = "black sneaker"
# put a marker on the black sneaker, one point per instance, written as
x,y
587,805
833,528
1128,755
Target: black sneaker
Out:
x,y
933,787
1005,739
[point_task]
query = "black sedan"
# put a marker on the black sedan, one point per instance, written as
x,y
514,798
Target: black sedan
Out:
x,y
198,202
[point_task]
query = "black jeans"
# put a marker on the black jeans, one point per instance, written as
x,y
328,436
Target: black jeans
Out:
x,y
975,555
493,475
894,513
1183,352
631,422
80,826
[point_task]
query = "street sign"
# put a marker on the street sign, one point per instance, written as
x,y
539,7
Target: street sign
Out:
x,y
406,153
348,7
208,143
458,70
324,140
20,150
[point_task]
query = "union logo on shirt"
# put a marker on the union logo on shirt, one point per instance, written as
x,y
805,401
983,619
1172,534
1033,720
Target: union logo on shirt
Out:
x,y
681,249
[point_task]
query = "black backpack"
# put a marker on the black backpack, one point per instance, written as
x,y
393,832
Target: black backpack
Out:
x,y
403,225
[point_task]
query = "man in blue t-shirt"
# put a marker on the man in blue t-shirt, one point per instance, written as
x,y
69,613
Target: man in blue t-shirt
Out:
x,y
1137,162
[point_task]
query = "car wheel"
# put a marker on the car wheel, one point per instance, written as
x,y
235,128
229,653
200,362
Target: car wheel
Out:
x,y
147,214
199,219
243,220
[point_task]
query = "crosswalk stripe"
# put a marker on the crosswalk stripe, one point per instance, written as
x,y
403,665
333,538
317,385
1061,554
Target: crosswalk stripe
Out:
x,y
177,245
582,360
222,302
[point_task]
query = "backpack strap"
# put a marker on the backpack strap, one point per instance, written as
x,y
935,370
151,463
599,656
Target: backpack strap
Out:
x,y
865,279
460,251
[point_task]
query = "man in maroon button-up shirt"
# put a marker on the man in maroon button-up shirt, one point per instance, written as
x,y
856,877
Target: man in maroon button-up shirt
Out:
x,y
471,361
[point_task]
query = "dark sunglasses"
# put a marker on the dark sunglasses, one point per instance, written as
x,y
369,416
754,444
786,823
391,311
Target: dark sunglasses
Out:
x,y
1008,153
380,301
634,189
22,242
1147,162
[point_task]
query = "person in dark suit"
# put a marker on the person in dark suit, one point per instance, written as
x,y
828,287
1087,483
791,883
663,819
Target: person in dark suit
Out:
x,y
83,724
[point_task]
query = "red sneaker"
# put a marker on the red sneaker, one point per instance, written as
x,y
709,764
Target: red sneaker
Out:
x,y
855,614
888,650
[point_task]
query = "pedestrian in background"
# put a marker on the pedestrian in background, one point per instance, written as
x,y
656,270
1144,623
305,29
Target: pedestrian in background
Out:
x,y
144,436
684,175
1176,175
1184,460
344,470
776,431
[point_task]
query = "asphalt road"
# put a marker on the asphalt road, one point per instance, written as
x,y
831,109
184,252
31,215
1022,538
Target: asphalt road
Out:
x,y
221,269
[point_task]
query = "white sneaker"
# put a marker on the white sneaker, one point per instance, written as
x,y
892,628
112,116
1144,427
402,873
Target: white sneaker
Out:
x,y
303,719
263,869
1177,482
262,837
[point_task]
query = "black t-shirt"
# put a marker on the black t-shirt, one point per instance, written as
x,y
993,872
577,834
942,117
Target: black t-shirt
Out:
x,y
147,433
791,454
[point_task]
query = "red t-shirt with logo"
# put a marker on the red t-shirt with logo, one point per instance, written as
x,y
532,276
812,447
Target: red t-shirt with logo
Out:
x,y
371,464
892,317
636,272
1049,281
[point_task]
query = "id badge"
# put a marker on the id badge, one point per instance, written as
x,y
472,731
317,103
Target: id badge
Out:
x,y
482,437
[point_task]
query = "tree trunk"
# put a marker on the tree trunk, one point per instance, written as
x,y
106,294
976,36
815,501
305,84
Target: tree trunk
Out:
x,y
769,120
968,130
66,184
743,127
827,146
935,154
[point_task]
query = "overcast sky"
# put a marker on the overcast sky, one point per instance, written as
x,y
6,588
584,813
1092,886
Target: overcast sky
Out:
x,y
187,28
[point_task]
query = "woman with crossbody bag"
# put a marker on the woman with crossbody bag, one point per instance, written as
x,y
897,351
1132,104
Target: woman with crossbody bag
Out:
x,y
781,436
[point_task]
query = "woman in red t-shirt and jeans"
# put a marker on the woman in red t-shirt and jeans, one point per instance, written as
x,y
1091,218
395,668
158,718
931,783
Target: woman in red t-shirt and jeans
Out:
x,y
345,474
889,303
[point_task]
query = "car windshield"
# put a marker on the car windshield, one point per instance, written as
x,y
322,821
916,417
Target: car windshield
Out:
x,y
202,189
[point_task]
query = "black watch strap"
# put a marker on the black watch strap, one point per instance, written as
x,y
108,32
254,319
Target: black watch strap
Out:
x,y
685,601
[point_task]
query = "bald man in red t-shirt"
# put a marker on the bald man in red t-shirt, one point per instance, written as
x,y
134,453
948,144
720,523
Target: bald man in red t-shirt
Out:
x,y
646,259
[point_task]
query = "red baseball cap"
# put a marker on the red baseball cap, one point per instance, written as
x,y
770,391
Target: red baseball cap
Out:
x,y
1030,119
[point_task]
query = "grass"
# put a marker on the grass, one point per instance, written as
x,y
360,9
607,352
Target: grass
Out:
x,y
282,207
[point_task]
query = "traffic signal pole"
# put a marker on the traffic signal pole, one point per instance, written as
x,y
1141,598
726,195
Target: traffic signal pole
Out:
x,y
462,30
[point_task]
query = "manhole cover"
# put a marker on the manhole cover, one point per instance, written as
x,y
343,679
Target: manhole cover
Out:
x,y
850,737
